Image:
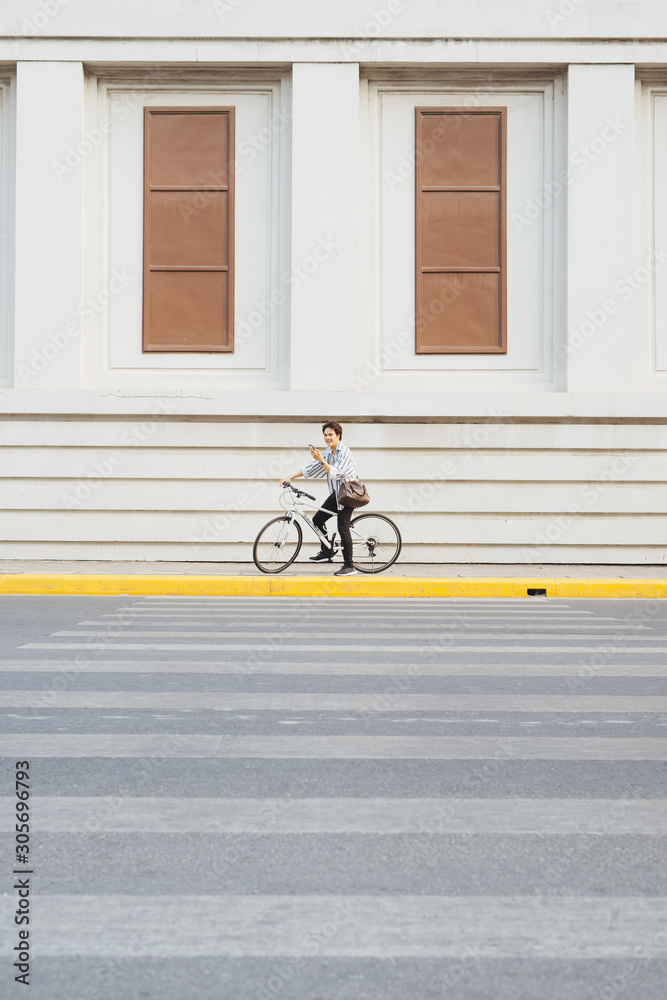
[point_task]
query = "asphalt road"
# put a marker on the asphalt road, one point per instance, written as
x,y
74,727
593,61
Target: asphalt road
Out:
x,y
316,799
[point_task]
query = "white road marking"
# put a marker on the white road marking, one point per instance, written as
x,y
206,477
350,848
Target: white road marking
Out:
x,y
18,745
363,926
547,817
355,668
230,701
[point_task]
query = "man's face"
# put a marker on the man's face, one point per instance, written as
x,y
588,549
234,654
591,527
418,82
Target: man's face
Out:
x,y
330,437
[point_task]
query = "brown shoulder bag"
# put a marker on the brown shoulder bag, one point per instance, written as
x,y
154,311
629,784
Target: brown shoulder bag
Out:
x,y
353,494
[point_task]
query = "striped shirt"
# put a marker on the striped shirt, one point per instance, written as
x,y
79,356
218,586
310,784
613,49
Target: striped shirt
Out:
x,y
342,465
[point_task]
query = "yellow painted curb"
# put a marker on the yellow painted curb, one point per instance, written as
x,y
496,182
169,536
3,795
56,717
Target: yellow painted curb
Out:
x,y
317,586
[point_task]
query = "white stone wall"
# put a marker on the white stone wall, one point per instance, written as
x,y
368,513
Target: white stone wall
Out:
x,y
554,452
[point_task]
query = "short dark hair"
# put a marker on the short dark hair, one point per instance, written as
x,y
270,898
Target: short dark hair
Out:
x,y
335,427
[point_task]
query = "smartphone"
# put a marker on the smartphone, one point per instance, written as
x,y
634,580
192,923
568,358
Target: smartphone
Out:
x,y
311,446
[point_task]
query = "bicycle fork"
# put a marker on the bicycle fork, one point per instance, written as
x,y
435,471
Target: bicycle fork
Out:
x,y
280,540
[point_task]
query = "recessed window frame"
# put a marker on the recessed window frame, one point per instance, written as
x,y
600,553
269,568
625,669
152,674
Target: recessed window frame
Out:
x,y
148,269
501,346
7,200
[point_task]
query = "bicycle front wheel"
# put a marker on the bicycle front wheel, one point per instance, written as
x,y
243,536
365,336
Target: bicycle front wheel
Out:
x,y
277,545
376,543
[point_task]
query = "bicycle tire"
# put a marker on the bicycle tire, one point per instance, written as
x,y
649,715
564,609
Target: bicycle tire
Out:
x,y
367,564
265,565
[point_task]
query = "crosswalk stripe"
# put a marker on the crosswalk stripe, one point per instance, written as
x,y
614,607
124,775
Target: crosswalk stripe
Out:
x,y
423,616
305,633
334,747
255,646
360,602
384,925
230,701
267,602
357,667
404,607
549,817
354,668
351,628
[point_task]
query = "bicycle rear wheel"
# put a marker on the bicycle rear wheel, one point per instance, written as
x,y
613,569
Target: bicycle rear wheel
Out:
x,y
376,543
277,545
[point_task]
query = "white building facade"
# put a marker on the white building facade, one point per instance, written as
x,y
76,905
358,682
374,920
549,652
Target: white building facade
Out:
x,y
515,414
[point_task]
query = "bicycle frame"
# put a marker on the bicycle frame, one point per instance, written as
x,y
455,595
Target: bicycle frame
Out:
x,y
293,508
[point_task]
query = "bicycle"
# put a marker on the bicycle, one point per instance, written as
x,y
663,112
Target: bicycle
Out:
x,y
376,541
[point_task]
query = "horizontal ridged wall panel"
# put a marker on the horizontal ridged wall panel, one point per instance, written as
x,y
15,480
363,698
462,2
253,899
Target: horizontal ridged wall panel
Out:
x,y
155,432
203,553
225,463
206,497
418,528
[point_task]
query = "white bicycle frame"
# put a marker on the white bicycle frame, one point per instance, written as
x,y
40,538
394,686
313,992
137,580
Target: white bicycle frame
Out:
x,y
292,507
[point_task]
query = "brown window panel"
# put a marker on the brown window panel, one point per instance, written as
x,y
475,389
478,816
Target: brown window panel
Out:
x,y
188,229
460,232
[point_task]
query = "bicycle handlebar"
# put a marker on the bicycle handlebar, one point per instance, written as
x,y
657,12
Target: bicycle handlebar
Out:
x,y
299,493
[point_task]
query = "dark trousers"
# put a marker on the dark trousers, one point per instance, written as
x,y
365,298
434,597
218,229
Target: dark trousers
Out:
x,y
344,515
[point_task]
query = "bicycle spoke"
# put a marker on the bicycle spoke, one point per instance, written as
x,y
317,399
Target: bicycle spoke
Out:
x,y
277,545
376,543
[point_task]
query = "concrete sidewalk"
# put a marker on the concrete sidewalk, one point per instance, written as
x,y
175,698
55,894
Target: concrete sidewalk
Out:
x,y
307,580
303,568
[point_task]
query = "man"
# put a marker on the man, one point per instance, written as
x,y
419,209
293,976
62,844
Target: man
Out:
x,y
337,464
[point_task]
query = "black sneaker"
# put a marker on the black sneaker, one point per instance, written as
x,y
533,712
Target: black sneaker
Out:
x,y
346,571
321,556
